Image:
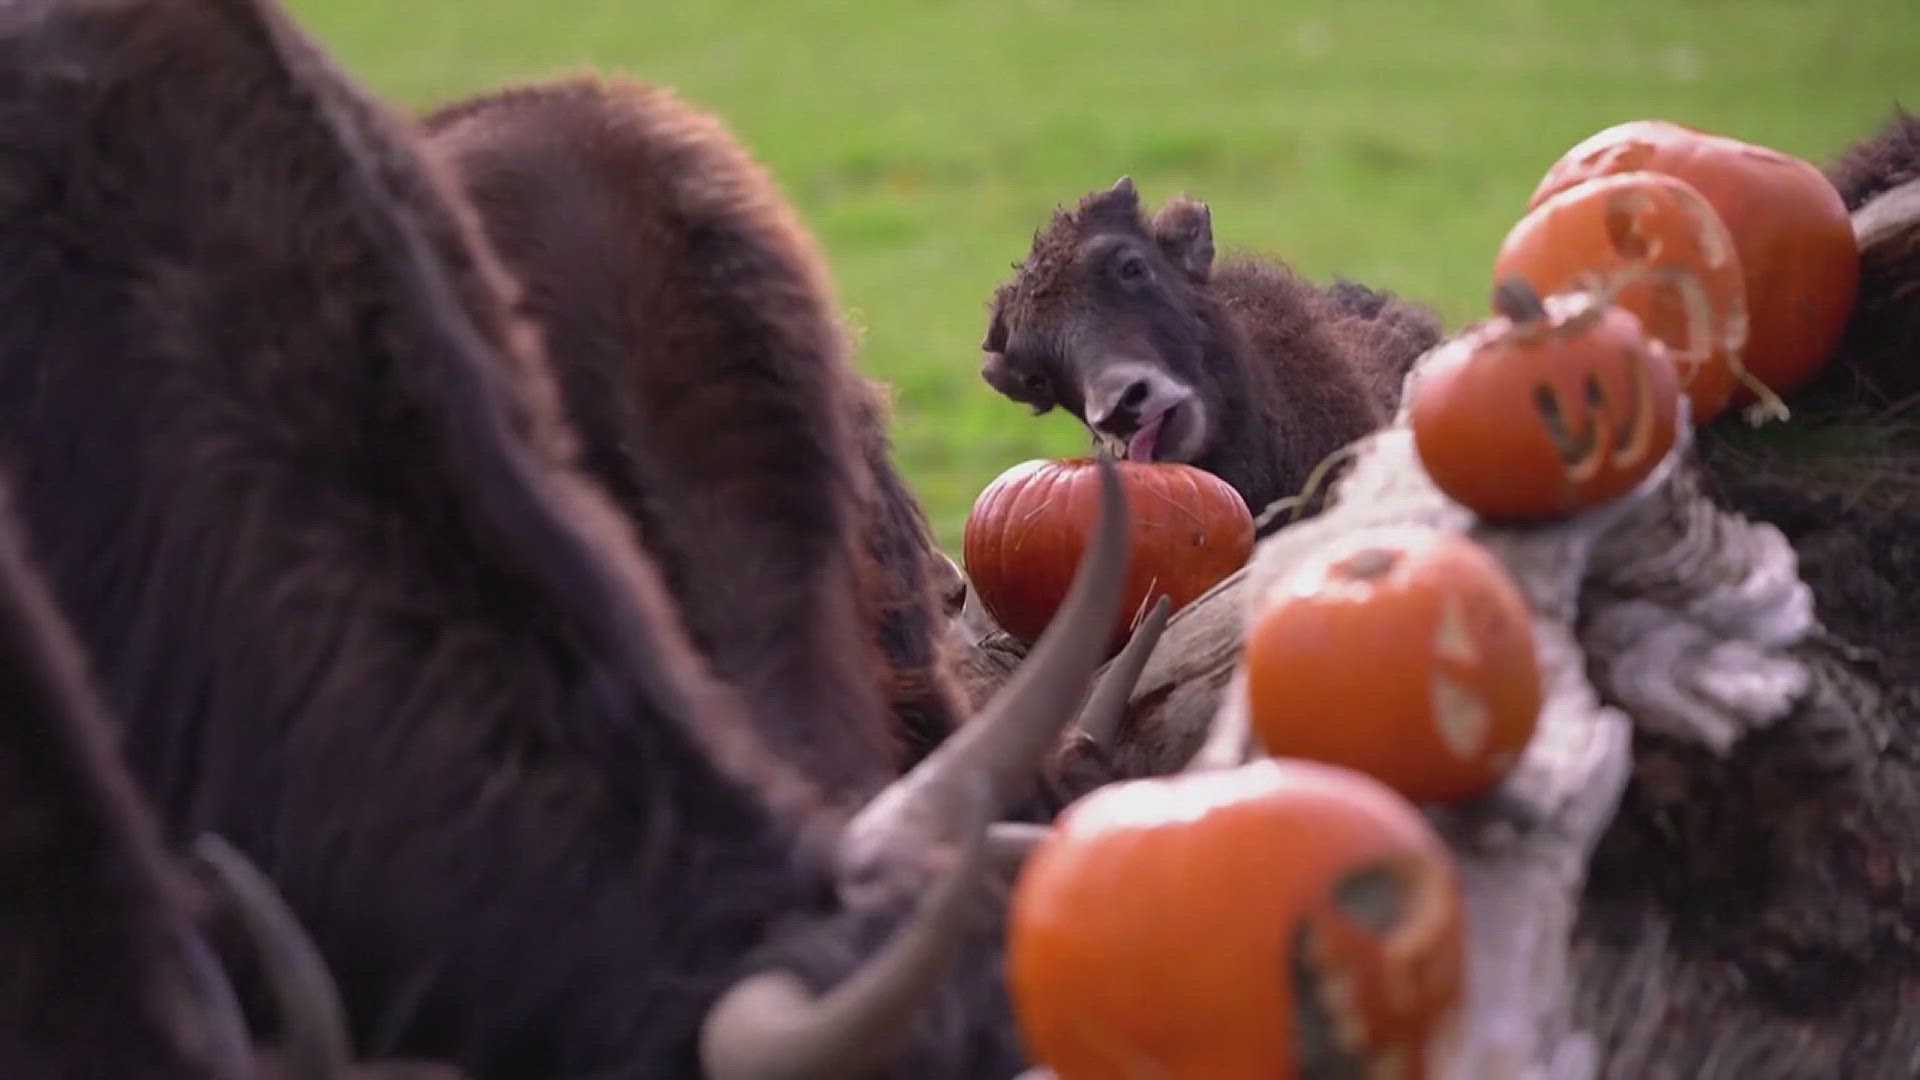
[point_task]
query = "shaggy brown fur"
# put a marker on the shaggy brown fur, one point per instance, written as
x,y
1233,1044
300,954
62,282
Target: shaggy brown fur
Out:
x,y
1886,159
108,974
1842,478
691,320
105,975
1881,346
1267,373
304,488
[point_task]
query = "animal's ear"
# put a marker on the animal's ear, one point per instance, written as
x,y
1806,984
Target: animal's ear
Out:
x,y
1118,205
1026,387
996,339
1184,230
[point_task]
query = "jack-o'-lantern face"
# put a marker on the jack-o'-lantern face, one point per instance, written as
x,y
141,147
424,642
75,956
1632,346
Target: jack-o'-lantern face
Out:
x,y
1450,716
1267,920
1657,244
1547,409
1376,973
1595,431
1793,239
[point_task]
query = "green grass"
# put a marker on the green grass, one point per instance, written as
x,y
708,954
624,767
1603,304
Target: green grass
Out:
x,y
924,141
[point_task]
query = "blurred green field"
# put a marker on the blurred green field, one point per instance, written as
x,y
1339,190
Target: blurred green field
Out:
x,y
1389,141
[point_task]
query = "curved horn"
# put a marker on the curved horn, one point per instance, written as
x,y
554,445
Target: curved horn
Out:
x,y
223,1024
1006,742
1100,716
312,1022
770,1027
1010,842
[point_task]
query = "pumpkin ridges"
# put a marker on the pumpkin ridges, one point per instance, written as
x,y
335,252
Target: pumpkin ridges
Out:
x,y
1025,533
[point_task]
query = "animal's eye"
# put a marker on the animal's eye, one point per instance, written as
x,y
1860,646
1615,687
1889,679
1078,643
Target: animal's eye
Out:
x,y
1035,381
1132,267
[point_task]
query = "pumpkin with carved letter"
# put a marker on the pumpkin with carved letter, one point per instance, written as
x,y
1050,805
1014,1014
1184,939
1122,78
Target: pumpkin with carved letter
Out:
x,y
1547,409
1405,652
1662,252
1797,249
1278,919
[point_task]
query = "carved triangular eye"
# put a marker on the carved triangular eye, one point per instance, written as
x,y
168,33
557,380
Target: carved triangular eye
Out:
x,y
1374,897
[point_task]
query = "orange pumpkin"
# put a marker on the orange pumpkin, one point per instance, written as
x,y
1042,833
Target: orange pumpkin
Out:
x,y
1796,243
1283,918
1659,245
1027,530
1546,409
1405,652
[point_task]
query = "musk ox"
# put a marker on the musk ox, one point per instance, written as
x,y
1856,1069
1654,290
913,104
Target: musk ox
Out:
x,y
302,482
643,234
1243,368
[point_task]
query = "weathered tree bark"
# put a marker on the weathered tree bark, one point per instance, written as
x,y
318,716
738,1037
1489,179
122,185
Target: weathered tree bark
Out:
x,y
1707,864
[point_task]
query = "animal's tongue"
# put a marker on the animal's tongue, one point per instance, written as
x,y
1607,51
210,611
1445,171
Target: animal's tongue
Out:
x,y
1141,446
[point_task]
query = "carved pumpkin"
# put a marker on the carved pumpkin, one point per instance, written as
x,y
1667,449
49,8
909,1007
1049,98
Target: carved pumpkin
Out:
x,y
1796,243
1405,652
1546,409
1028,528
1280,919
1663,248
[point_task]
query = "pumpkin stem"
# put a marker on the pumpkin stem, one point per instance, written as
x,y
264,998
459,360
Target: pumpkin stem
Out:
x,y
1368,564
1516,299
1706,330
1319,476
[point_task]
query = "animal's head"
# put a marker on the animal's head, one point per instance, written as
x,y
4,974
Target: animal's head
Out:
x,y
1106,318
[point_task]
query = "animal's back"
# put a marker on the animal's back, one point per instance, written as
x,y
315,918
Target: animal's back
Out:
x,y
1308,391
1383,333
702,357
305,494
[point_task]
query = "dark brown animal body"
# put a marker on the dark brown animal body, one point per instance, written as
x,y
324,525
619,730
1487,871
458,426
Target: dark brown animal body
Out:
x,y
108,971
105,973
1880,162
1243,368
1879,180
639,228
302,483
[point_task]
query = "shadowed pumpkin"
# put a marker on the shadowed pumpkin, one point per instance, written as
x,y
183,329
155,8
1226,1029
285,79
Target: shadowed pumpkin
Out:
x,y
1282,918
